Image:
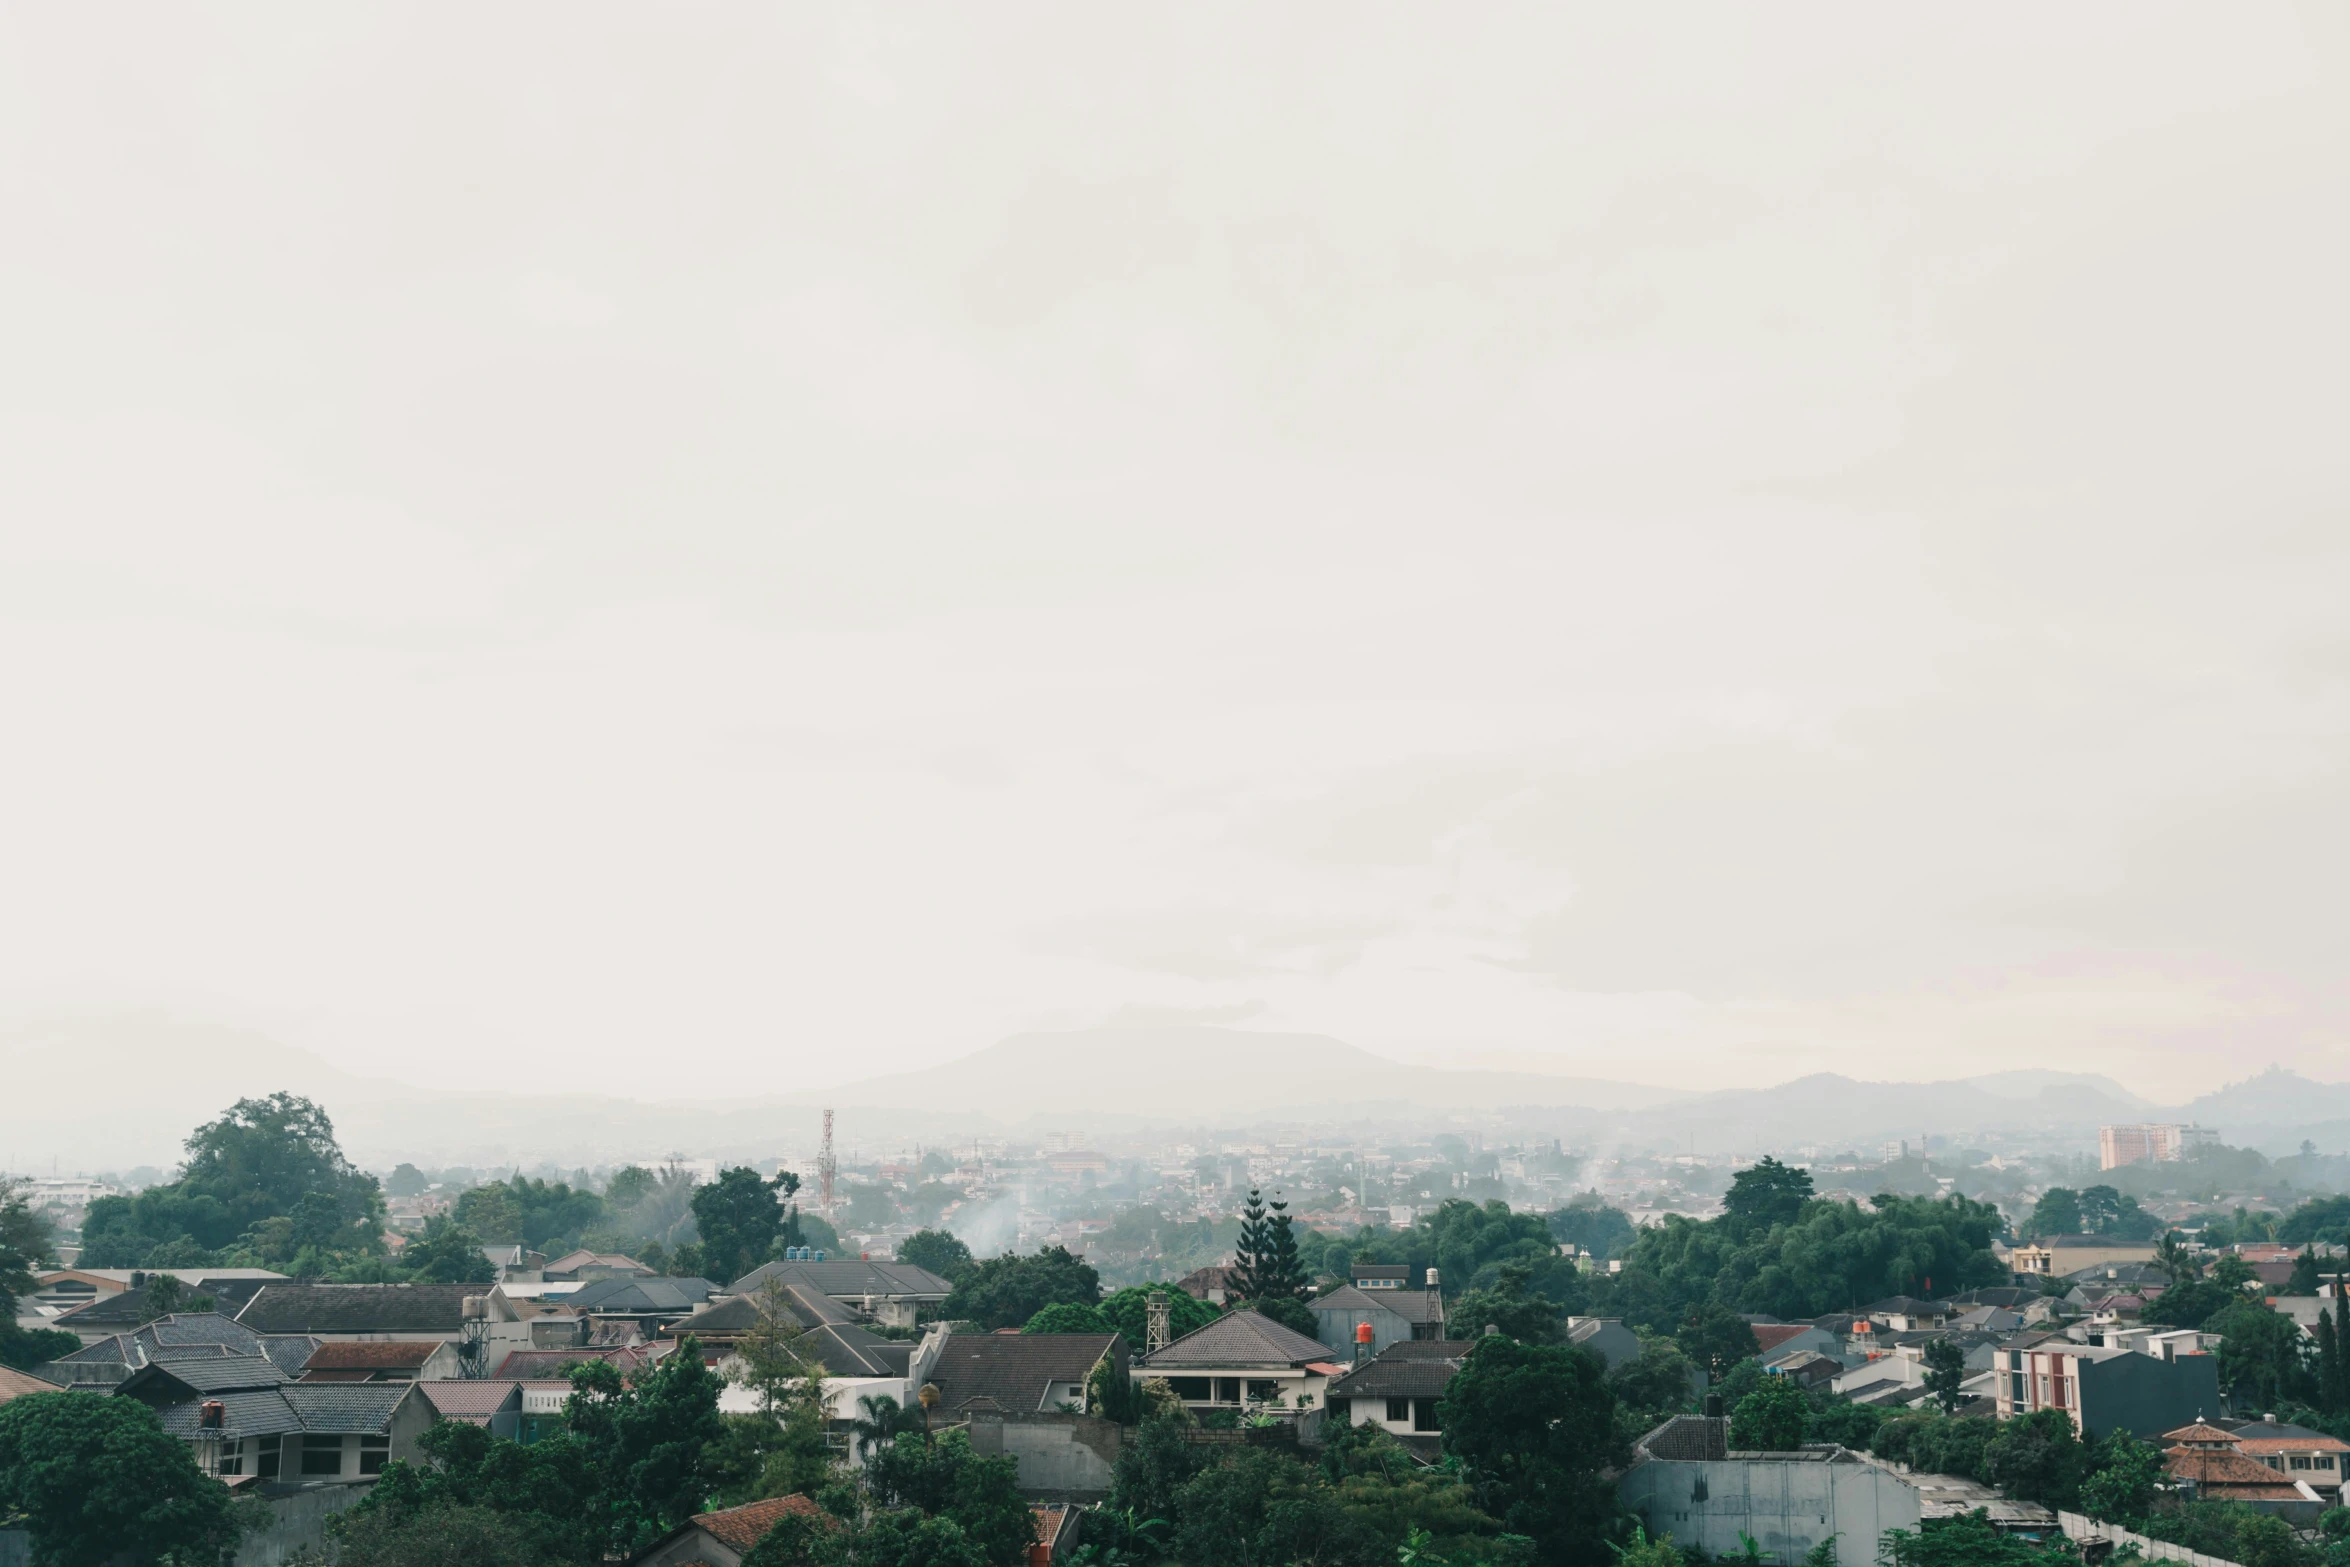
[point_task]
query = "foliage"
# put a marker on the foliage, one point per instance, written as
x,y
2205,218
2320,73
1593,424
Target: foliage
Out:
x,y
2105,1211
406,1181
1266,1265
1468,1243
646,1439
1645,1552
100,1480
1005,1291
2264,1359
2319,1219
548,1490
2128,1477
2304,1279
266,1178
740,1216
1069,1317
944,1477
2058,1212
1936,1444
437,1536
2189,1304
447,1253
1659,1381
1152,1467
1128,1311
2333,1351
1287,1310
24,1248
1969,1540
1532,1425
2230,1530
1764,1196
1845,1423
1945,1370
1716,1338
2037,1457
943,1254
630,1185
1771,1419
1588,1224
1509,1304
1261,1508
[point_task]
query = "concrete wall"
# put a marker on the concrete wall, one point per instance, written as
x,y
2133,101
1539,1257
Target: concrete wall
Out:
x,y
1335,1326
1788,1504
1061,1457
2078,1527
16,1548
2145,1396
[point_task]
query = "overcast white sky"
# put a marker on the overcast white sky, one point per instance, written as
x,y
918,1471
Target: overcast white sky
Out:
x,y
745,544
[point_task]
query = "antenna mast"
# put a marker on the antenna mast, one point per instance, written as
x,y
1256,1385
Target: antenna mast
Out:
x,y
825,1166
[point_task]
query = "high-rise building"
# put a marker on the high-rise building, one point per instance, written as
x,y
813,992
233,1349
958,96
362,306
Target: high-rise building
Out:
x,y
2119,1145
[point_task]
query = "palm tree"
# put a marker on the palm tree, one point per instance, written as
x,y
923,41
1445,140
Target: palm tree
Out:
x,y
878,1419
2173,1257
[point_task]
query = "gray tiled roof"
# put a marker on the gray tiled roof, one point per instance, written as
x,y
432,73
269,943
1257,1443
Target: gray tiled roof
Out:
x,y
188,1336
639,1296
474,1400
212,1373
1011,1371
329,1408
259,1412
1689,1437
850,1351
1238,1338
738,1314
849,1278
1421,1370
359,1308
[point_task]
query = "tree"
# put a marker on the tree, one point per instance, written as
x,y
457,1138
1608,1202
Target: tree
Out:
x,y
2263,1358
548,1216
1532,1426
438,1536
1764,1196
1772,1418
1266,1265
406,1181
1287,1310
740,1215
447,1253
2189,1305
1128,1311
630,1185
2319,1219
1591,1226
2175,1258
24,1248
1945,1370
2100,1208
1069,1317
1970,1540
2333,1329
946,1479
1506,1304
2126,1481
2037,1457
1151,1468
646,1440
1717,1338
2304,1279
2058,1212
100,1480
1005,1291
550,1491
941,1253
1656,1382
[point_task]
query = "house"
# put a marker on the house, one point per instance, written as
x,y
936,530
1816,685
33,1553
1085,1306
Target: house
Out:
x,y
1809,1368
1022,1373
1394,1315
2320,1460
361,1311
1244,1360
582,1265
18,1384
106,1364
245,1417
1608,1338
889,1293
2206,1463
1211,1284
524,1365
1398,1390
1686,1481
1378,1276
2105,1389
383,1360
723,1539
650,1303
492,1403
1056,1533
1777,1340
2056,1256
1908,1314
60,1290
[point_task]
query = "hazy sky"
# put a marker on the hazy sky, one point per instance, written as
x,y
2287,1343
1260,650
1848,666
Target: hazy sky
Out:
x,y
748,545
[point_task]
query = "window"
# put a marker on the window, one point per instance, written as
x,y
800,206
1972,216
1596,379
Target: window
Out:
x,y
1423,1414
2323,1461
1192,1390
232,1457
1342,1410
1399,1410
322,1455
265,1463
1227,1390
1260,1392
2300,1461
374,1453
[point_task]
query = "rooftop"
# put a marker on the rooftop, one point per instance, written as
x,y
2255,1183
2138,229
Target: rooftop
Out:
x,y
359,1308
1014,1371
1237,1339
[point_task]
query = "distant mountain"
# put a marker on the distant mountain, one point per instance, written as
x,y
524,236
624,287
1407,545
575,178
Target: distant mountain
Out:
x,y
2031,1082
2275,1097
1220,1076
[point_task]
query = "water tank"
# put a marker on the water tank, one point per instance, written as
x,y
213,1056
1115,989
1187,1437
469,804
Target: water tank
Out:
x,y
474,1308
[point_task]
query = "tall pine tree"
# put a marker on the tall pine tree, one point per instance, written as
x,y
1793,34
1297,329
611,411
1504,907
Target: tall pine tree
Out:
x,y
2333,1352
1266,1265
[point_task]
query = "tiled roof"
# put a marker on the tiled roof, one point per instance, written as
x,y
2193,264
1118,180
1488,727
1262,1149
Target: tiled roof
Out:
x,y
1405,1375
212,1373
738,1314
1238,1338
16,1384
472,1401
361,1406
2201,1433
1906,1306
850,1351
572,1261
2304,1442
1770,1335
850,1277
555,1364
741,1528
359,1308
258,1412
1696,1438
373,1355
1049,1516
2233,1475
640,1296
1012,1370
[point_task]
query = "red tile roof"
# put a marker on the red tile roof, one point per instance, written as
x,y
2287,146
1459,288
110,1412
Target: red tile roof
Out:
x,y
1770,1335
2228,1476
741,1528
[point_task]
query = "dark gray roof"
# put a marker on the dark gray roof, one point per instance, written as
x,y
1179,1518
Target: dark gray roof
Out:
x,y
850,1351
188,1335
1239,1338
736,1314
1415,1368
359,1308
328,1408
1907,1306
1346,1298
852,1278
1010,1371
634,1296
1996,1295
1689,1438
207,1374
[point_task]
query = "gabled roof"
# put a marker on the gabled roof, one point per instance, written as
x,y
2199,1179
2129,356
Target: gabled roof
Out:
x,y
1239,1338
1907,1306
640,1296
741,1528
473,1401
1413,1368
326,1408
853,1276
394,1354
850,1351
205,1374
359,1308
1771,1335
735,1315
1011,1371
1347,1298
572,1261
2232,1474
1689,1438
17,1384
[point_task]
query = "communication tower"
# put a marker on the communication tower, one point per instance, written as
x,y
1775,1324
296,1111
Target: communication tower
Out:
x,y
826,1165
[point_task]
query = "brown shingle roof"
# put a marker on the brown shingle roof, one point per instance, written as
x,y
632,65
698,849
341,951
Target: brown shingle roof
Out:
x,y
1012,1370
15,1384
741,1528
1770,1335
2231,1475
472,1401
373,1355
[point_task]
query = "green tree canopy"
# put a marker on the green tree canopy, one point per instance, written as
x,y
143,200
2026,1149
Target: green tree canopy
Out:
x,y
646,1440
940,1252
2058,1212
545,1216
447,1253
100,1480
630,1185
1005,1291
1533,1425
1069,1317
1592,1226
1128,1310
436,1537
1266,1265
1510,1304
1764,1196
740,1215
2264,1358
1945,1372
2319,1219
1774,1418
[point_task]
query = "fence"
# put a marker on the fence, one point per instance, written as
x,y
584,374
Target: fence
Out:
x,y
2077,1527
